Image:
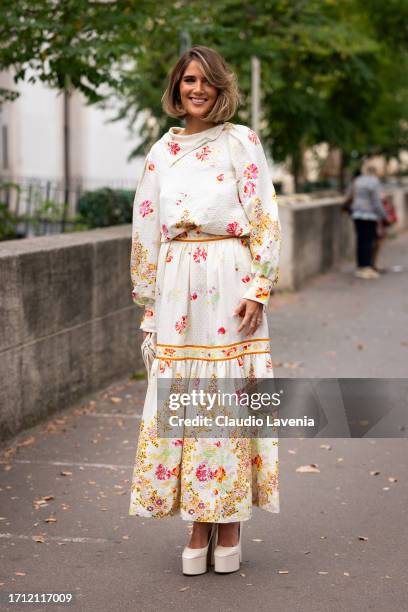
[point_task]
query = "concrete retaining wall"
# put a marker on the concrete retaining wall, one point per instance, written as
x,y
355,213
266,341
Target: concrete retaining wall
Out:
x,y
67,323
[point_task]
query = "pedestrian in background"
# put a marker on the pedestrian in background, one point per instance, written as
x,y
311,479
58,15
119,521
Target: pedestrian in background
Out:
x,y
368,214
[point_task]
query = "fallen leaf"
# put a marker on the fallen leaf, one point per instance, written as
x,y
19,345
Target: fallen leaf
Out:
x,y
325,446
257,540
374,473
283,572
323,573
184,588
306,469
116,400
292,452
27,441
50,519
39,539
292,364
363,538
19,573
392,479
346,574
66,473
386,488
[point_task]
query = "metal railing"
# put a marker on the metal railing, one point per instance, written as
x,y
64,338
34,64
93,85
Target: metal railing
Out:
x,y
48,206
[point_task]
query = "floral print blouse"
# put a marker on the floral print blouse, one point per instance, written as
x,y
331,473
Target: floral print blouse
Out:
x,y
216,181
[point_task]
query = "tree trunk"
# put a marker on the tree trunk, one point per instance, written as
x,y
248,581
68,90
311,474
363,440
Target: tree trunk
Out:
x,y
297,167
67,153
344,161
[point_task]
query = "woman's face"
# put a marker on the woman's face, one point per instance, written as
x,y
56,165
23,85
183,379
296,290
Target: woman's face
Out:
x,y
197,95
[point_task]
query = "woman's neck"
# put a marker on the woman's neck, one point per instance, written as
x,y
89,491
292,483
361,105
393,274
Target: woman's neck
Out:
x,y
195,125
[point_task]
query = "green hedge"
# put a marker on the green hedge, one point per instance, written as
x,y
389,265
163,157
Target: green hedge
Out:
x,y
104,207
8,224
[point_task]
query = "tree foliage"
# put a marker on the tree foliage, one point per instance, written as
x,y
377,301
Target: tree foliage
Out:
x,y
333,71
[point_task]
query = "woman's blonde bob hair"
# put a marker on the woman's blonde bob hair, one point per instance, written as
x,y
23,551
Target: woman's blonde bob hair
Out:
x,y
217,74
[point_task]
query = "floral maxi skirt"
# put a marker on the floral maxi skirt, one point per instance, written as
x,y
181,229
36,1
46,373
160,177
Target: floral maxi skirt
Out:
x,y
200,280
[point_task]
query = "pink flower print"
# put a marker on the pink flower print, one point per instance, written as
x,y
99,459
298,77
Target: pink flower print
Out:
x,y
181,198
240,361
148,312
203,473
178,442
165,231
246,279
199,254
145,208
251,171
151,167
181,324
218,443
230,351
169,257
249,189
203,153
193,296
220,177
174,147
162,473
221,330
234,229
253,137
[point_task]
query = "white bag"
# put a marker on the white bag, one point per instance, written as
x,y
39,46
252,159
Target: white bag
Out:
x,y
148,348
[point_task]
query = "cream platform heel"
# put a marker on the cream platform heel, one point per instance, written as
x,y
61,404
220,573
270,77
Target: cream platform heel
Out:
x,y
197,560
227,559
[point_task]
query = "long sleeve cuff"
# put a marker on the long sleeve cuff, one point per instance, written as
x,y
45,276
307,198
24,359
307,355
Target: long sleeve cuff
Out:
x,y
259,290
148,323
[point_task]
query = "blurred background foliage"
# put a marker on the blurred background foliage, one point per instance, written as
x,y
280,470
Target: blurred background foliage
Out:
x,y
333,71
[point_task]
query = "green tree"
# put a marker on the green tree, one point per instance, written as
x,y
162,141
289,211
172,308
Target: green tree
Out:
x,y
319,69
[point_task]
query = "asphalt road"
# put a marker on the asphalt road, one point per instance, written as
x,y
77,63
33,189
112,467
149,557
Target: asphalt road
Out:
x,y
341,536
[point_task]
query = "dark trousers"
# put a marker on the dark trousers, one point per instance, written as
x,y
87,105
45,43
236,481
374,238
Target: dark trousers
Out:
x,y
366,232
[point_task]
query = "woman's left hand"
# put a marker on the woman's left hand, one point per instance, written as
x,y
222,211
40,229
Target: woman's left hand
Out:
x,y
251,311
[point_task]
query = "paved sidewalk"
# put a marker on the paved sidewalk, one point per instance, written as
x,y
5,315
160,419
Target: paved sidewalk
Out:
x,y
341,534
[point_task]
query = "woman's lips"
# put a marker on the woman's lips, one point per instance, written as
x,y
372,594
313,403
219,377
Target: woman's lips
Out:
x,y
198,101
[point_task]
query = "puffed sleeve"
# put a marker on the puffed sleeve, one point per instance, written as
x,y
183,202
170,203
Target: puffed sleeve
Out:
x,y
258,198
146,241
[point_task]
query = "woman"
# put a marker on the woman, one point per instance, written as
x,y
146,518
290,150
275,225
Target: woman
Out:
x,y
368,213
205,248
